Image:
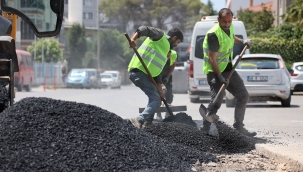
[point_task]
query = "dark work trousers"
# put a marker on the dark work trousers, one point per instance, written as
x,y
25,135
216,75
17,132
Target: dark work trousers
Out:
x,y
169,93
237,88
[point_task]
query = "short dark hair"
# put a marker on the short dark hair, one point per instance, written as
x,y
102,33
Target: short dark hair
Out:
x,y
175,32
225,10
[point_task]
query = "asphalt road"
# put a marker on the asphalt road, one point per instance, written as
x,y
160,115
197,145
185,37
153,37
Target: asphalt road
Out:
x,y
283,127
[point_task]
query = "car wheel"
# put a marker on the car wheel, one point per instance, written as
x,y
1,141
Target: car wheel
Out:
x,y
194,100
286,102
20,87
230,103
28,87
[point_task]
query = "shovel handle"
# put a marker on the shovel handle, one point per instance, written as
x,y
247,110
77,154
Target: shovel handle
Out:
x,y
150,76
230,73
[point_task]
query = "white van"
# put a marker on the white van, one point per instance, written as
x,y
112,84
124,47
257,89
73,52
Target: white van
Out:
x,y
198,86
116,78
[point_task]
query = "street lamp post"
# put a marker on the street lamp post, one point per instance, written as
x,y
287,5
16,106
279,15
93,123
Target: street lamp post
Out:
x,y
98,36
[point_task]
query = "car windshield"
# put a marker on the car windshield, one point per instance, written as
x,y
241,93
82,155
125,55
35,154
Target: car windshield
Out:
x,y
258,63
78,73
91,73
105,76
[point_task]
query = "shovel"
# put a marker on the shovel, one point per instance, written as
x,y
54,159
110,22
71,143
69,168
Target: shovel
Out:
x,y
203,109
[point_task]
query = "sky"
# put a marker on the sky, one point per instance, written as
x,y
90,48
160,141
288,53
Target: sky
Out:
x,y
217,4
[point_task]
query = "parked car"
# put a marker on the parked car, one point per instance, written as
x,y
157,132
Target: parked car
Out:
x,y
265,77
83,78
296,73
107,80
116,77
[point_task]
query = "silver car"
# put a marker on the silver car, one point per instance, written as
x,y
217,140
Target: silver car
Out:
x,y
296,77
265,77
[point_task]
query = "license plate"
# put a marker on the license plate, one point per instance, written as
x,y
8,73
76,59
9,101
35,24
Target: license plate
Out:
x,y
257,78
202,82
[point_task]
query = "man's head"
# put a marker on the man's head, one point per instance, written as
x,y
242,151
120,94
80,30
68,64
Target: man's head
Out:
x,y
225,18
175,37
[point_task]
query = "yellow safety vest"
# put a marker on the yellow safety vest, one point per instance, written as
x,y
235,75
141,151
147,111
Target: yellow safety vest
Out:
x,y
173,57
154,55
225,51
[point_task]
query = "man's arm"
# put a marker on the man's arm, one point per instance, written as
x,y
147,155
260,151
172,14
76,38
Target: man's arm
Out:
x,y
153,33
238,40
171,69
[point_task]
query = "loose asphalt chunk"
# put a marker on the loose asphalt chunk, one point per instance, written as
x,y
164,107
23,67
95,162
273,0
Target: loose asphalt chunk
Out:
x,y
43,134
230,140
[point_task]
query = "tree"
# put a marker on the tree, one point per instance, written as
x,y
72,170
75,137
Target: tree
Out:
x,y
77,46
51,50
211,8
294,13
256,21
151,10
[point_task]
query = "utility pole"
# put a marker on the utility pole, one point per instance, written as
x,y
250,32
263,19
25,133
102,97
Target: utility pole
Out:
x,y
98,36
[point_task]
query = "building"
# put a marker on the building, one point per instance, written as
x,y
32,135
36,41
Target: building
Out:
x,y
278,7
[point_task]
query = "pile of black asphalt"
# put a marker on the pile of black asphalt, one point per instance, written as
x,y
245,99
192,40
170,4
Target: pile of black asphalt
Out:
x,y
4,97
43,134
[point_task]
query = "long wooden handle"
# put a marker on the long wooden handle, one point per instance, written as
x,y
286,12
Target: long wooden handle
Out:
x,y
230,73
150,76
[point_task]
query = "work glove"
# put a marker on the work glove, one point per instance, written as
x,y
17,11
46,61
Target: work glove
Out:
x,y
223,80
165,80
246,42
164,90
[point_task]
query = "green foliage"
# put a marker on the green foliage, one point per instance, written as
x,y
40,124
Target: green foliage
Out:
x,y
211,8
256,21
290,49
51,50
111,48
294,13
148,11
77,46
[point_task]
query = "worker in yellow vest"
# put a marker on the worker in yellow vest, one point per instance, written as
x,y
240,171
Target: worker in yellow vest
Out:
x,y
154,52
166,77
218,53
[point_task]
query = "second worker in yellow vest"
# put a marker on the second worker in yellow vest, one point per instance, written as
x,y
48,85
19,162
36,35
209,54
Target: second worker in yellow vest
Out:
x,y
154,52
218,53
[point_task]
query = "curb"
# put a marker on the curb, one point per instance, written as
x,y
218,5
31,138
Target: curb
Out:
x,y
297,166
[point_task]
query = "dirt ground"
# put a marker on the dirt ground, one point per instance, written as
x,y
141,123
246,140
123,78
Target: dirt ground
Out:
x,y
252,162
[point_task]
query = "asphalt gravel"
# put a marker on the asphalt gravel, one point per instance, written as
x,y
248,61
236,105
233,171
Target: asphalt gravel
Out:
x,y
229,140
43,134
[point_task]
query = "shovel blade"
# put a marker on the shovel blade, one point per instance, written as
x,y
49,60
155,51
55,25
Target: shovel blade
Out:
x,y
210,118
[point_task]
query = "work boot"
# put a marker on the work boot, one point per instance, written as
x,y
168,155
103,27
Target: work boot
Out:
x,y
146,124
246,132
136,122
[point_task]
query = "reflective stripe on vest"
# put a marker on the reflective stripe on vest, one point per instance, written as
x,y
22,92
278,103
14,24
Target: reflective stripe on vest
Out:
x,y
154,55
173,57
220,55
225,51
147,58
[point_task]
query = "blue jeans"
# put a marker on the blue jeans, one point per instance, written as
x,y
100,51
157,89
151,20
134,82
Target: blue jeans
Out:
x,y
142,81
